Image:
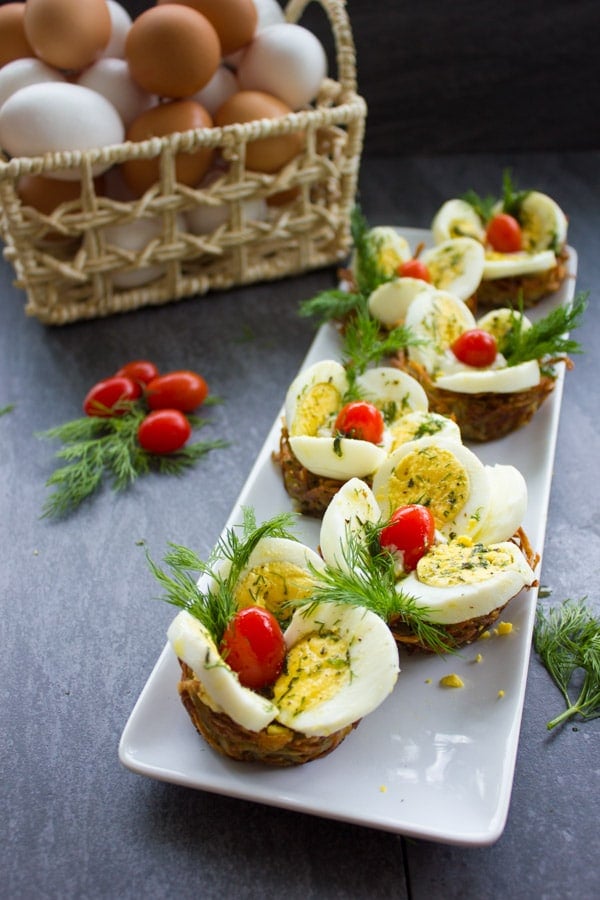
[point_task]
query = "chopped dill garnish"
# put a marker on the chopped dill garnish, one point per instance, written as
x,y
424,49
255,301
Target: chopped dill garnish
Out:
x,y
567,640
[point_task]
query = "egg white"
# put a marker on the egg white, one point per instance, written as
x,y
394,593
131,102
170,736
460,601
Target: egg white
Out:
x,y
457,218
456,265
338,458
389,302
507,380
346,514
509,265
544,224
507,506
451,603
420,424
436,319
373,661
385,385
390,248
327,372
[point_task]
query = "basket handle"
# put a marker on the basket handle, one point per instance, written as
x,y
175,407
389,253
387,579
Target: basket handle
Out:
x,y
342,32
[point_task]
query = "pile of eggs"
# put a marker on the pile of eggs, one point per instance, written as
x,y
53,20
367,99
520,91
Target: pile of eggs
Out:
x,y
81,74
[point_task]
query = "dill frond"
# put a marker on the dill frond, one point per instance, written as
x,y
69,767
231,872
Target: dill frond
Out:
x,y
548,338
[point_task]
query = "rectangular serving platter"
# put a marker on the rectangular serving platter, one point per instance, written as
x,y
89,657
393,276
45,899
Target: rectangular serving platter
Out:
x,y
430,762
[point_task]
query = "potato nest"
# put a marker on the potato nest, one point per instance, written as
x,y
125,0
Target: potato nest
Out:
x,y
274,745
311,493
459,634
494,293
486,416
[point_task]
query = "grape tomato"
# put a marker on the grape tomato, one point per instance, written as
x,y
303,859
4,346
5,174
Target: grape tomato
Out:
x,y
140,370
253,646
164,431
109,397
409,534
414,268
183,389
504,233
476,347
360,420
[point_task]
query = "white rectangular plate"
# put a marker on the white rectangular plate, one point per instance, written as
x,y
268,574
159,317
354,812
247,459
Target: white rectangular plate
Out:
x,y
431,762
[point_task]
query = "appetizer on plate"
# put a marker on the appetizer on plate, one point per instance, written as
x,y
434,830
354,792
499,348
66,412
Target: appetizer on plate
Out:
x,y
524,236
339,425
267,674
438,588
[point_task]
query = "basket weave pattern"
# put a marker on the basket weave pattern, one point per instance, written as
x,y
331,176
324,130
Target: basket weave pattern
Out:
x,y
66,266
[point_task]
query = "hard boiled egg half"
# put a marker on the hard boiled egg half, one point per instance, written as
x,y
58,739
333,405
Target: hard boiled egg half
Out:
x,y
312,404
454,581
341,663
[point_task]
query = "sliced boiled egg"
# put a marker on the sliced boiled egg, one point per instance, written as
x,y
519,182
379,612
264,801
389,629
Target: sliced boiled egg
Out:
x,y
460,580
543,223
441,474
341,663
510,265
456,265
313,402
508,504
500,321
420,424
348,511
389,247
496,380
192,643
389,302
457,218
437,319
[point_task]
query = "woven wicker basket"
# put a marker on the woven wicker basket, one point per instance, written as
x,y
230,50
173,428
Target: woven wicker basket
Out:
x,y
73,278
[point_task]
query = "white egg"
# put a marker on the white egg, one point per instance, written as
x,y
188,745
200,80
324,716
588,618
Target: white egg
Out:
x,y
269,12
391,390
359,650
221,86
137,238
346,514
192,643
21,72
439,473
507,507
511,265
285,60
436,319
110,77
504,380
457,218
120,24
456,582
543,223
50,117
414,426
389,302
203,218
456,265
314,398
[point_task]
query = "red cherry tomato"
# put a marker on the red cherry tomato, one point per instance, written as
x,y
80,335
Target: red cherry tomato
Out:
x,y
141,370
504,233
164,431
409,533
414,268
477,348
104,398
183,389
254,647
360,420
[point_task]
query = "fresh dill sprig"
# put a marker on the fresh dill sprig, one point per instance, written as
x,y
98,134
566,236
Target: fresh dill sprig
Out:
x,y
483,206
512,199
332,305
367,578
547,338
211,599
96,448
4,410
365,344
567,640
510,202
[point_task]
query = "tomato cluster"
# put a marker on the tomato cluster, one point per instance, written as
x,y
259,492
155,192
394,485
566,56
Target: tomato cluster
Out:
x,y
167,398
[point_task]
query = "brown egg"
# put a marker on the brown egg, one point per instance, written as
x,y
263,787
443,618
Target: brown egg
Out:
x,y
45,194
172,51
13,41
67,34
233,20
167,118
265,154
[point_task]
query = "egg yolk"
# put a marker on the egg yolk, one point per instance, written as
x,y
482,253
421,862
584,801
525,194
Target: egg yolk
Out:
x,y
316,669
315,408
463,228
407,429
446,267
433,477
461,563
442,325
271,585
